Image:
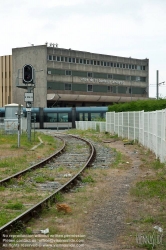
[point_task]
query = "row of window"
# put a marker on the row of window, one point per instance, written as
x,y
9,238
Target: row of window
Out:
x,y
96,75
95,62
113,89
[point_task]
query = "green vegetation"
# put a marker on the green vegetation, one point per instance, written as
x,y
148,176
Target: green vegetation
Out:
x,y
146,105
59,197
40,179
14,206
150,188
88,179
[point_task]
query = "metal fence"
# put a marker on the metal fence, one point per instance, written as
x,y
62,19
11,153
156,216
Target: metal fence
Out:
x,y
149,128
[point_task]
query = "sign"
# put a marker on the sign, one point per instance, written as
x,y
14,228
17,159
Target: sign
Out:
x,y
28,97
28,109
105,81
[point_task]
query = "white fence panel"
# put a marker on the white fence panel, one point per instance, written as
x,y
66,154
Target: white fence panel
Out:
x,y
149,128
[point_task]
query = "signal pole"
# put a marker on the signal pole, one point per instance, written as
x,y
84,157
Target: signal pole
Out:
x,y
28,79
28,82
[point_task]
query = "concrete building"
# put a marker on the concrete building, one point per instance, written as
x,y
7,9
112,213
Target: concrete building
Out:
x,y
78,78
5,80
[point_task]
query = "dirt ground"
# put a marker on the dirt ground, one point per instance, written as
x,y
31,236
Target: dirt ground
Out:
x,y
106,226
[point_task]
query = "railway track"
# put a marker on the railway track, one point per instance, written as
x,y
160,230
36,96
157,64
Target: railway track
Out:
x,y
37,187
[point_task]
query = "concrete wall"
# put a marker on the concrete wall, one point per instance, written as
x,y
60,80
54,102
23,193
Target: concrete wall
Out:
x,y
37,57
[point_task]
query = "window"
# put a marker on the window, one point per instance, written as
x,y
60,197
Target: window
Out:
x,y
105,64
109,76
50,58
133,67
109,89
63,117
73,60
68,72
62,58
117,65
108,64
90,88
91,62
69,59
89,74
94,62
50,117
138,67
84,61
98,62
87,61
111,64
114,65
124,66
67,86
66,59
129,66
101,63
120,65
54,58
77,60
58,58
95,116
81,61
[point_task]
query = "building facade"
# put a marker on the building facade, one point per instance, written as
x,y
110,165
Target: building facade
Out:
x,y
5,80
66,77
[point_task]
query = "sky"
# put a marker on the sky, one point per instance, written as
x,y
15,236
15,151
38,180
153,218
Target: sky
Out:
x,y
124,28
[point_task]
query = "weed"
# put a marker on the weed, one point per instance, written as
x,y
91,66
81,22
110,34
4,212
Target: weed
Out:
x,y
40,179
118,159
60,169
157,164
2,188
14,206
28,230
88,179
149,220
59,197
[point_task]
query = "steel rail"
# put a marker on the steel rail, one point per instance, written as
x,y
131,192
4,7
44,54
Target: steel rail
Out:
x,y
20,220
35,166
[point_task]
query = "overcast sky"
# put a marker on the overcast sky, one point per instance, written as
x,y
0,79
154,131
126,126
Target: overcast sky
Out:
x,y
126,28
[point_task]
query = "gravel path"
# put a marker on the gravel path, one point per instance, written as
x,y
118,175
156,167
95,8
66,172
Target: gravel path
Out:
x,y
107,222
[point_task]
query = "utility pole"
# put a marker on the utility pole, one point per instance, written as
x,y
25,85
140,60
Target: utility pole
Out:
x,y
157,84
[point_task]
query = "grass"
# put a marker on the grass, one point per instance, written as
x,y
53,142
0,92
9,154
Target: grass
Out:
x,y
40,179
88,179
14,159
150,188
14,206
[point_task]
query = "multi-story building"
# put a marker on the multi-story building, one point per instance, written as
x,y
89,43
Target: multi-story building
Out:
x,y
5,80
78,78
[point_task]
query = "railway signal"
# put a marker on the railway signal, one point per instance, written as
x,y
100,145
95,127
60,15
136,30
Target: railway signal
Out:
x,y
28,74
